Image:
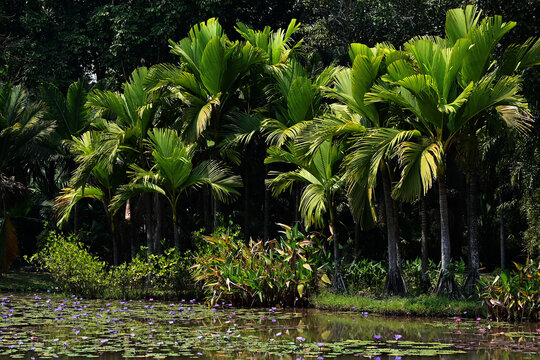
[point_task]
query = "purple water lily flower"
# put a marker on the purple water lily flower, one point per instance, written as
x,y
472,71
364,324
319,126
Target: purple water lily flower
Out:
x,y
377,337
397,336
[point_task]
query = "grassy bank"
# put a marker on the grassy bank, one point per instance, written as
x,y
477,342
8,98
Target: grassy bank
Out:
x,y
425,305
27,281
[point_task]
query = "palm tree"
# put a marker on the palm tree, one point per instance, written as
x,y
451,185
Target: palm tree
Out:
x,y
71,117
320,195
23,135
446,88
173,173
123,119
370,130
100,186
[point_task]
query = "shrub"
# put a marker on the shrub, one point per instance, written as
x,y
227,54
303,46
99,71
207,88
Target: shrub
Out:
x,y
514,295
365,275
72,266
170,270
281,271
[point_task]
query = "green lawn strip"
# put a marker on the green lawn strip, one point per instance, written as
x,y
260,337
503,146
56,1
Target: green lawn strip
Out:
x,y
425,305
27,281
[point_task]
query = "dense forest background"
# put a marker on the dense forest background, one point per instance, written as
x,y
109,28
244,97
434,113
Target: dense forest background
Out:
x,y
55,43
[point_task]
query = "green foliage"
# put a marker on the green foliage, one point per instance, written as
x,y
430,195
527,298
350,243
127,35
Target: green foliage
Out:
x,y
365,275
77,271
170,270
72,266
514,295
280,271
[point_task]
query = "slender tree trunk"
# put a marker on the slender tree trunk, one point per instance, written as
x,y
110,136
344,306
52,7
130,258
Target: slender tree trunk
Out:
x,y
246,205
176,235
148,224
356,239
338,283
110,220
395,283
266,209
158,224
215,210
474,262
425,283
130,229
446,285
76,218
501,240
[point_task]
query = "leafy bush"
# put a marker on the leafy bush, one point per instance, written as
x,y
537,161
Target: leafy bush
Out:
x,y
170,270
72,266
129,280
278,271
77,271
514,295
412,272
364,275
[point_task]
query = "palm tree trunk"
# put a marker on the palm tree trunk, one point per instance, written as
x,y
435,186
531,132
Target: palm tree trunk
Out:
x,y
176,236
446,285
130,229
158,224
356,239
425,283
110,220
474,261
76,218
395,283
338,283
148,225
266,208
501,240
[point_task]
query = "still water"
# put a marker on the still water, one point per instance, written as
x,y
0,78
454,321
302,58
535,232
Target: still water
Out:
x,y
46,326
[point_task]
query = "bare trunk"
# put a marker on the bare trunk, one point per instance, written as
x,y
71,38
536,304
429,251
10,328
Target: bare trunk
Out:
x,y
501,240
158,224
338,283
76,218
395,283
426,285
130,229
148,224
215,210
474,262
446,285
356,239
110,219
266,225
176,235
246,205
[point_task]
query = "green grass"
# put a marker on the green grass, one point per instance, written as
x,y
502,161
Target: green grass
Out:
x,y
26,282
424,305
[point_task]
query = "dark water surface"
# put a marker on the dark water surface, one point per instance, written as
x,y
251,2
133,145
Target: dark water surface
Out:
x,y
48,326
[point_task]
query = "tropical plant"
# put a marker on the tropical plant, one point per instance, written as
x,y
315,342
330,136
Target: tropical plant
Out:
x,y
323,185
173,173
279,271
101,186
446,86
513,296
372,136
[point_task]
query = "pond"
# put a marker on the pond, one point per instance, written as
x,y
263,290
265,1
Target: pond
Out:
x,y
47,326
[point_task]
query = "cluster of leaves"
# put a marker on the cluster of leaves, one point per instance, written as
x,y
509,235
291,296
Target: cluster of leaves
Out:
x,y
74,268
281,271
78,271
514,295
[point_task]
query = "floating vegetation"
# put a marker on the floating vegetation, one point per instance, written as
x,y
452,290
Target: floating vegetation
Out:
x,y
51,327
